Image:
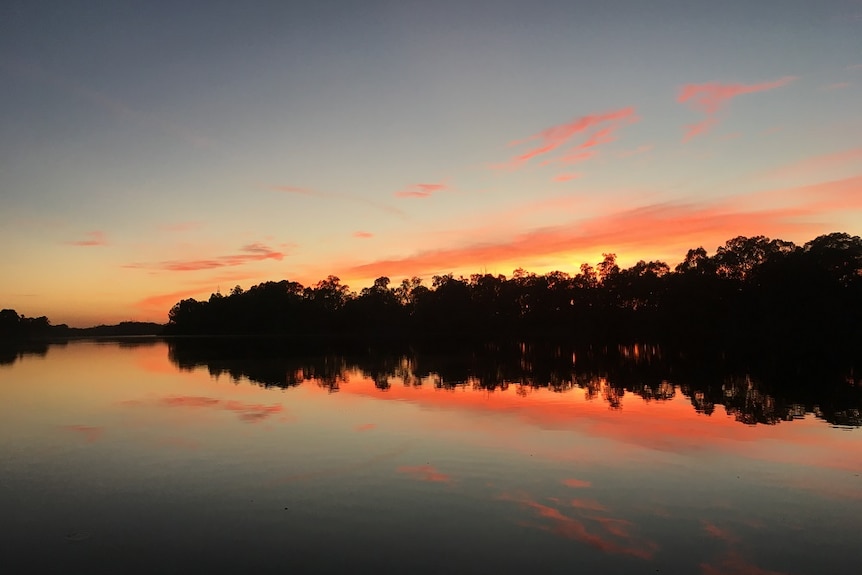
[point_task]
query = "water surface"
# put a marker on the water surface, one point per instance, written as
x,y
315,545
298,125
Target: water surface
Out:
x,y
145,457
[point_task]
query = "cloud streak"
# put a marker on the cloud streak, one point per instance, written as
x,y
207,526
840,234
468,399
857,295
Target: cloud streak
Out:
x,y
712,97
421,190
95,238
599,128
254,252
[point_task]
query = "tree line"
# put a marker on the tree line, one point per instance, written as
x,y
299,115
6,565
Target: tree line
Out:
x,y
752,290
15,327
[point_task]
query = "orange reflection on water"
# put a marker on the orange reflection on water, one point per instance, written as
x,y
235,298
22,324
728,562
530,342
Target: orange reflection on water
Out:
x,y
669,424
425,473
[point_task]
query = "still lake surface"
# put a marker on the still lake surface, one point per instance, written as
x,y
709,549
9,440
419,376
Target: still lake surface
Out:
x,y
148,457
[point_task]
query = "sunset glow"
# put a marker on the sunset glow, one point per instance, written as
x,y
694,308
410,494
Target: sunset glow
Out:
x,y
144,162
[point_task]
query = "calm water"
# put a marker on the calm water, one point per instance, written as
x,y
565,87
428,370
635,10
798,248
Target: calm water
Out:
x,y
145,458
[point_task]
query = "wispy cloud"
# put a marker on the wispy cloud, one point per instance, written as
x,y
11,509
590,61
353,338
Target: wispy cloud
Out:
x,y
421,190
854,68
363,235
253,252
567,177
95,238
599,128
712,97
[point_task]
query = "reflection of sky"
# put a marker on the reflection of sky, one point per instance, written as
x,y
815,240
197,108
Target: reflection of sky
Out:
x,y
116,439
156,152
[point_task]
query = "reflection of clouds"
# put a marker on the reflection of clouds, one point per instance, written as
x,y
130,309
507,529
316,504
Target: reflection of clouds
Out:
x,y
611,535
425,473
90,433
589,504
731,562
250,412
718,532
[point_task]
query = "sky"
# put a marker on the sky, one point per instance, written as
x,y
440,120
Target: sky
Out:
x,y
155,151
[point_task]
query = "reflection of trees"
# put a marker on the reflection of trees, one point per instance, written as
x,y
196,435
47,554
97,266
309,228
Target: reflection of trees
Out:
x,y
752,393
10,352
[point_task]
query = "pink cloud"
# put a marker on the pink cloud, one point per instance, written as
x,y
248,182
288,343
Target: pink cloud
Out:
x,y
576,483
556,137
709,98
574,156
95,238
712,97
699,128
567,177
364,427
363,235
253,252
425,473
421,190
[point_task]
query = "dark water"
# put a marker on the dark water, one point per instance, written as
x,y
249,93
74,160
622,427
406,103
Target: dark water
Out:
x,y
190,457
